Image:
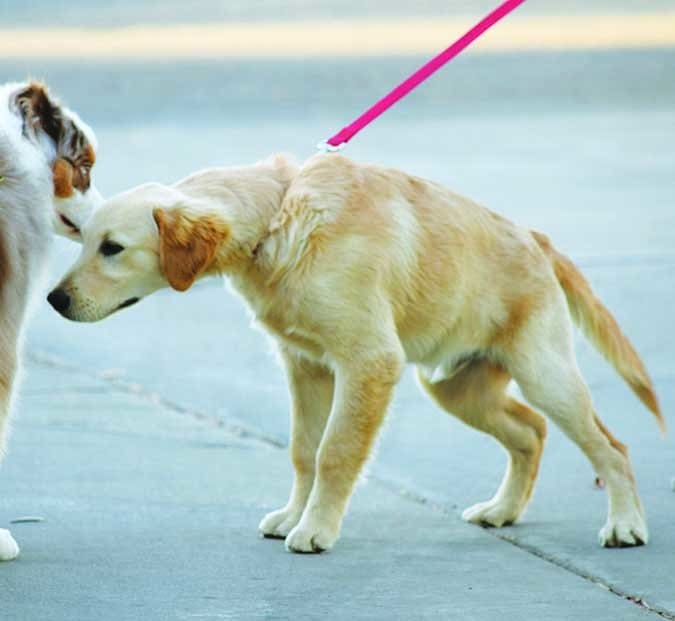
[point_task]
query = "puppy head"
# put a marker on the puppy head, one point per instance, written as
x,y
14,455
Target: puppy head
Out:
x,y
70,146
136,243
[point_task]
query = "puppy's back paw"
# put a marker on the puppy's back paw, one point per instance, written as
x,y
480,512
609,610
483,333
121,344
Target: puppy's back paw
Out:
x,y
493,513
308,537
624,532
278,524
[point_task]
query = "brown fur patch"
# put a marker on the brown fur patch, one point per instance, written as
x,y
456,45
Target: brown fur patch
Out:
x,y
616,444
477,396
527,416
619,446
75,155
187,245
82,167
532,451
90,154
519,311
601,327
38,111
647,395
63,178
477,389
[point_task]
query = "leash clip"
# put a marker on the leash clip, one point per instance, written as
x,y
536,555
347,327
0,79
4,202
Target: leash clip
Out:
x,y
326,147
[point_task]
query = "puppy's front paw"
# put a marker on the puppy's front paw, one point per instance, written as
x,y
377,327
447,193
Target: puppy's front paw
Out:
x,y
278,524
311,537
624,531
491,513
9,549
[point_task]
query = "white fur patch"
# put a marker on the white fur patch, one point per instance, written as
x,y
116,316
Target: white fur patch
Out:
x,y
9,549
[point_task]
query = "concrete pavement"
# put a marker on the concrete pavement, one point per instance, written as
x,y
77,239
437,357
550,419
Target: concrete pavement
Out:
x,y
152,451
150,513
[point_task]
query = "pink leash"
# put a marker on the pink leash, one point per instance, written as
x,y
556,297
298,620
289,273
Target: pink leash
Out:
x,y
340,139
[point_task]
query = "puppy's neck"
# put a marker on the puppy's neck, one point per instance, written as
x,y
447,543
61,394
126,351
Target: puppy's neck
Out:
x,y
248,198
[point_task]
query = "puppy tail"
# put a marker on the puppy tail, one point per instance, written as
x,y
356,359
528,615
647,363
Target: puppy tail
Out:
x,y
600,327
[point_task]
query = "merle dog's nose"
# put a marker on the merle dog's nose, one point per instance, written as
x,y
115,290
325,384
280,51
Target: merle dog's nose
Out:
x,y
59,299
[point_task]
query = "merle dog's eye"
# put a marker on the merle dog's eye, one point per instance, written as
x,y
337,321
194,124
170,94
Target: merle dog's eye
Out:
x,y
109,248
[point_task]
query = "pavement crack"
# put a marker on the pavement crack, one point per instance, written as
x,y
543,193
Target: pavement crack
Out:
x,y
117,384
133,388
573,569
421,499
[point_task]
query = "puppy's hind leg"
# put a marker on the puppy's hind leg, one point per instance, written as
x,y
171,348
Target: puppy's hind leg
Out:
x,y
477,396
544,366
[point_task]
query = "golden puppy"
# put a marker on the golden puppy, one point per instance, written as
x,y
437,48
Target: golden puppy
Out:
x,y
356,270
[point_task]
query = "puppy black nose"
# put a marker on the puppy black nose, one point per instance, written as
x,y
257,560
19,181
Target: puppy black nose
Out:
x,y
59,299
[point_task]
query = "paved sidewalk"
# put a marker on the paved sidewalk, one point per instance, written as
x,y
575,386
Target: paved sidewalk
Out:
x,y
152,449
151,514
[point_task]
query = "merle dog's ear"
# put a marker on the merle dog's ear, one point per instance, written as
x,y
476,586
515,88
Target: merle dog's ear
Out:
x,y
38,111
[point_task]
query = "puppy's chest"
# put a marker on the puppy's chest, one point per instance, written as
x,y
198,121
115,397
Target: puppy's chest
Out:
x,y
281,316
293,335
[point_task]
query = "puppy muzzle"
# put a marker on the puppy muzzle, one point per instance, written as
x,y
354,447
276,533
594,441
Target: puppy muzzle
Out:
x,y
59,300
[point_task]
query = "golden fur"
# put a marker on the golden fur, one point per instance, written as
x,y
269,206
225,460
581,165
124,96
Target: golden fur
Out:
x,y
187,247
601,328
355,270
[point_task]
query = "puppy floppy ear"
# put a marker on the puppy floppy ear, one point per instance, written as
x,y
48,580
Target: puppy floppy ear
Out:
x,y
38,112
188,244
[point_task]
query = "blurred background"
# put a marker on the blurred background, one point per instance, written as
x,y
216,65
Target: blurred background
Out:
x,y
173,86
562,118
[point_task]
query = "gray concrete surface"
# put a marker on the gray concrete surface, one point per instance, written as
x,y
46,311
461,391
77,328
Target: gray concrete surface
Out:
x,y
150,514
151,511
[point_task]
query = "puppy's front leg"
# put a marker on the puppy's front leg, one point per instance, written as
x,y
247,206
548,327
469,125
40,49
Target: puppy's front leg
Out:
x,y
311,390
362,394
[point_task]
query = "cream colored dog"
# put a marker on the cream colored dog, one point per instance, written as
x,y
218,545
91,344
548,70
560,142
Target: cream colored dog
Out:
x,y
356,270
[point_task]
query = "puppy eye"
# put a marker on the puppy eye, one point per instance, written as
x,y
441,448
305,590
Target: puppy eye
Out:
x,y
109,248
